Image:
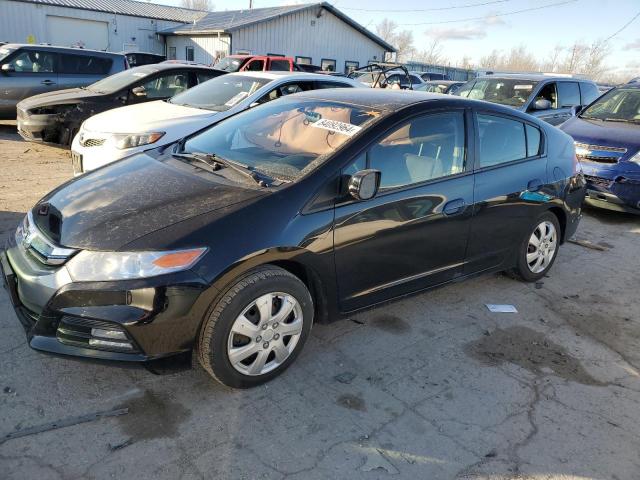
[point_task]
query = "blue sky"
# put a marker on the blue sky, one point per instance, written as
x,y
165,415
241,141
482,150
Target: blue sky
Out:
x,y
540,31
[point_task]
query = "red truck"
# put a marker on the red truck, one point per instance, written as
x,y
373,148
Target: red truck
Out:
x,y
255,63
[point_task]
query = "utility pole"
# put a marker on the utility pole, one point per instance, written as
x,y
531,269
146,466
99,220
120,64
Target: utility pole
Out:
x,y
250,4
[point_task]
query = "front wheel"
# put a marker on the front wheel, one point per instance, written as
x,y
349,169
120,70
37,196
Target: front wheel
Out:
x,y
539,248
257,328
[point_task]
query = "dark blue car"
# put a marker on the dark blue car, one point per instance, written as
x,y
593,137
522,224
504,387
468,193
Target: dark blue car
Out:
x,y
607,136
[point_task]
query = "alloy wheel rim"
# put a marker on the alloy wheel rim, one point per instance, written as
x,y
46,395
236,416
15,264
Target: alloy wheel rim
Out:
x,y
542,247
265,334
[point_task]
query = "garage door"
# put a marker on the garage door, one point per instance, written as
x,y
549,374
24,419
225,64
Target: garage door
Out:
x,y
67,32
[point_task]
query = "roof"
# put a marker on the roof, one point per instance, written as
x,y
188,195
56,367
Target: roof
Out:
x,y
228,21
41,46
128,7
275,75
534,77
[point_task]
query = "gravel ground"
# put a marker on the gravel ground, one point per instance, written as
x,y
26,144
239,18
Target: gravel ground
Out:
x,y
433,386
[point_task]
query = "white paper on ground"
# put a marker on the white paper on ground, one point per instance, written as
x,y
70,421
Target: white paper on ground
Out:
x,y
501,308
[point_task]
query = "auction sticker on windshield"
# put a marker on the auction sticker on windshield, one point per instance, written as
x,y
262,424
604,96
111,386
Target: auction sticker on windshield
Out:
x,y
337,126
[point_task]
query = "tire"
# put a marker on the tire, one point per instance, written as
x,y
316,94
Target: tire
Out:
x,y
274,336
533,263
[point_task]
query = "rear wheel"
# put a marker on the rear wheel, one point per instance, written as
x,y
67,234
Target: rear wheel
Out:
x,y
539,248
257,328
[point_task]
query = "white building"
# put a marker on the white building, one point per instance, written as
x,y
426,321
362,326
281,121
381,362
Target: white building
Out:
x,y
112,25
315,33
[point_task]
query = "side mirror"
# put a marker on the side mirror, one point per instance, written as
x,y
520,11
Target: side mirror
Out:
x,y
542,104
6,68
139,91
364,185
576,109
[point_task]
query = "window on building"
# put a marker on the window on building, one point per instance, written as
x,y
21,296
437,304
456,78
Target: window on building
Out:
x,y
303,60
189,54
172,53
328,65
349,66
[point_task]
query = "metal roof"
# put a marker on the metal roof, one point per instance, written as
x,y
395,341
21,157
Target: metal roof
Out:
x,y
227,21
128,7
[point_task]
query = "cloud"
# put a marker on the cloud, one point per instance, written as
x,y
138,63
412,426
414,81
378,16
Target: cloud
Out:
x,y
492,20
635,45
462,33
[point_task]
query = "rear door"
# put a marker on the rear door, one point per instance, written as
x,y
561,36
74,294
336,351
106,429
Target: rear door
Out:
x,y
26,73
509,191
414,233
78,70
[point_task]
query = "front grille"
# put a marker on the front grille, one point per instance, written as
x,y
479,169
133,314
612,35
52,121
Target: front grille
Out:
x,y
598,181
92,142
95,334
599,153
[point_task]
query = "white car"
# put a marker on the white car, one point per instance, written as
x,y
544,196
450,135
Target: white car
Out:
x,y
121,132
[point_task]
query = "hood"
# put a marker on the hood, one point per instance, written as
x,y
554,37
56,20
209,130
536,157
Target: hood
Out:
x,y
70,95
110,207
608,134
145,117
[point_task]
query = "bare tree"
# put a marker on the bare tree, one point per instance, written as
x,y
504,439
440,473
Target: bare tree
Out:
x,y
594,65
552,64
403,41
205,5
432,54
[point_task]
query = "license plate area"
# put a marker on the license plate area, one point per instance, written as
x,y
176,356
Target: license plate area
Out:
x,y
76,161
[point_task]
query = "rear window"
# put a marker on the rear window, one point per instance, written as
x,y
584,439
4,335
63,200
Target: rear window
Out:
x,y
280,65
84,64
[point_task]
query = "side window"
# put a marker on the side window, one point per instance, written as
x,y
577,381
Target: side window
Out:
x,y
286,89
204,76
280,65
34,61
85,65
255,66
167,85
320,85
533,141
589,93
425,148
501,140
415,80
568,94
548,92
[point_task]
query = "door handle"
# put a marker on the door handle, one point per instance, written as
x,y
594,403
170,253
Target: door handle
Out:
x,y
534,185
48,82
454,207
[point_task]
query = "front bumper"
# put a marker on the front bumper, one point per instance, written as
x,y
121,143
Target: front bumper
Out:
x,y
621,194
157,317
38,128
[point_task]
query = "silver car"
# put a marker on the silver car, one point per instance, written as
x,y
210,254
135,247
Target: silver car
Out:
x,y
27,70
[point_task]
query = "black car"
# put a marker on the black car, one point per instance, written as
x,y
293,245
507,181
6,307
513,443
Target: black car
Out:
x,y
233,241
56,117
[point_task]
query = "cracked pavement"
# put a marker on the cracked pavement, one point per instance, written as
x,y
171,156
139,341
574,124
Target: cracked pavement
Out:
x,y
433,386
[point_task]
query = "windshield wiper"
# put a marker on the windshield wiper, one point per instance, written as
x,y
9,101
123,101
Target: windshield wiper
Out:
x,y
623,120
215,162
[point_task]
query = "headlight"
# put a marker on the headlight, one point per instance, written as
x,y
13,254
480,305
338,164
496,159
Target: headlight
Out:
x,y
91,266
635,158
130,140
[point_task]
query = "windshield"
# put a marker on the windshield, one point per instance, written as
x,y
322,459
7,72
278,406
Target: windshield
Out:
x,y
505,91
122,79
621,104
284,139
228,64
220,93
5,52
